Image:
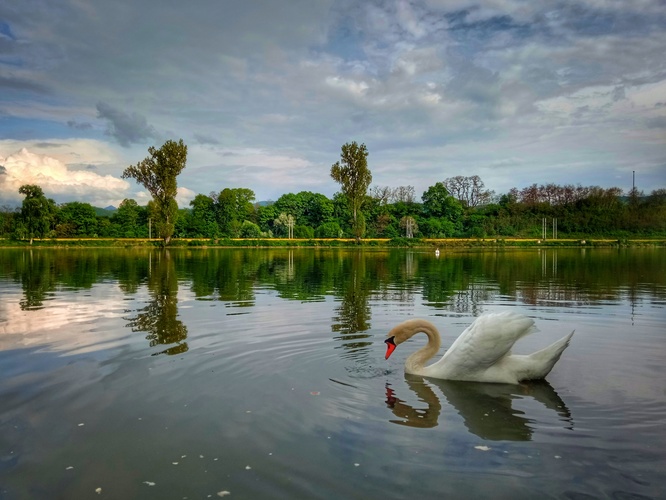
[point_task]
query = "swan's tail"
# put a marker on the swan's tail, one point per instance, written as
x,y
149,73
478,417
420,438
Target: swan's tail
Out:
x,y
543,361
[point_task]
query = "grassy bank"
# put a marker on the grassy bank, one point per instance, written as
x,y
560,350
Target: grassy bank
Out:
x,y
442,243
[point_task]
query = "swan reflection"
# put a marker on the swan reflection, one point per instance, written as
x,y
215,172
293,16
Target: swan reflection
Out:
x,y
487,409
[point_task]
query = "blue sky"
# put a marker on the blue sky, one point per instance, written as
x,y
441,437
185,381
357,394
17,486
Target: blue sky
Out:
x,y
264,93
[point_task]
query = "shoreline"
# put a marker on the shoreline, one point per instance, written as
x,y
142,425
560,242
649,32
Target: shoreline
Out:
x,y
438,243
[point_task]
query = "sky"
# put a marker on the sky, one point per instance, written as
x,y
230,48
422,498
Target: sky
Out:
x,y
265,92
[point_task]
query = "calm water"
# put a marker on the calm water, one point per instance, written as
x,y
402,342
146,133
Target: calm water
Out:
x,y
261,374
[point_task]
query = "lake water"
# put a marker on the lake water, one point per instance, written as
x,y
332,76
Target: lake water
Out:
x,y
260,373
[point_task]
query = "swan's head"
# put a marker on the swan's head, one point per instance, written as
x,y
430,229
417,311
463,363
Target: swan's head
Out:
x,y
406,330
398,335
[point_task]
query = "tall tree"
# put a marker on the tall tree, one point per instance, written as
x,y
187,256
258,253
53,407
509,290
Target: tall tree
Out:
x,y
37,213
354,176
157,173
233,207
468,190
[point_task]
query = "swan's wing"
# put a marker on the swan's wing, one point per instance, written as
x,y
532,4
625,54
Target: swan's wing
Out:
x,y
487,340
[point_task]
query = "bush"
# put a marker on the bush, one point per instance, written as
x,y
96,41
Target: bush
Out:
x,y
249,230
328,230
303,232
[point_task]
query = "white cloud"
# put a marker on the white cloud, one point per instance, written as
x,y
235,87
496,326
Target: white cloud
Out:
x,y
57,180
184,197
355,88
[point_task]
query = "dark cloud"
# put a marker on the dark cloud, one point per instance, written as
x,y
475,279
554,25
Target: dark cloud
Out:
x,y
657,122
126,129
47,145
10,82
206,139
79,125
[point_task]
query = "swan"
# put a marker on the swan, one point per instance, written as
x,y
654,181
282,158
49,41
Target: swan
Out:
x,y
482,353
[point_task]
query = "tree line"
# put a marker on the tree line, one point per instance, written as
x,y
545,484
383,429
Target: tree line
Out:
x,y
458,206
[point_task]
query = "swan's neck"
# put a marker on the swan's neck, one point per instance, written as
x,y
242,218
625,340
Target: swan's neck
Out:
x,y
416,361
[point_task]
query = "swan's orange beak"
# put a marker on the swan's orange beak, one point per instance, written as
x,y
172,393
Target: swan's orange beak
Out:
x,y
390,346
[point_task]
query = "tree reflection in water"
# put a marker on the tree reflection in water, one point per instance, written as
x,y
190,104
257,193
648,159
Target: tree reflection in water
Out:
x,y
487,409
159,319
353,314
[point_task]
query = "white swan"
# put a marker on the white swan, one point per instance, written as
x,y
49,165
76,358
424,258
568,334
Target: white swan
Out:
x,y
482,353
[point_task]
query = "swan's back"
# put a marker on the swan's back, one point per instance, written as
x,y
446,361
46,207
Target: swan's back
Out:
x,y
481,346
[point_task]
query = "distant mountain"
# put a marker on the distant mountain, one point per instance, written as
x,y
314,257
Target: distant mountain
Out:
x,y
105,212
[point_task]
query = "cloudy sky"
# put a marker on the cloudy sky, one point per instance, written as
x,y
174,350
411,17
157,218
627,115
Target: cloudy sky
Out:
x,y
265,92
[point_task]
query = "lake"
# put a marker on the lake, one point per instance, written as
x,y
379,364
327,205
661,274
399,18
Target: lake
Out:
x,y
260,373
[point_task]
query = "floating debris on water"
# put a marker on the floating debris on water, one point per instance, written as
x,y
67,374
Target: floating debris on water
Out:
x,y
81,424
482,448
315,393
223,493
149,483
356,465
98,491
247,467
174,463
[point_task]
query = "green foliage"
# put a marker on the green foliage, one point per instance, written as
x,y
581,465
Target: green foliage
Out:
x,y
158,173
433,227
438,203
303,232
76,219
250,230
580,213
328,230
234,206
352,173
307,208
37,214
201,220
130,220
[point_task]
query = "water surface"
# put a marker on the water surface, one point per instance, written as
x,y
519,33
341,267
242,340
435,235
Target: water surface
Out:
x,y
260,373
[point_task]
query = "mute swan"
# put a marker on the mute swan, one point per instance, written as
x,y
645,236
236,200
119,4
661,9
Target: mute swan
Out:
x,y
482,353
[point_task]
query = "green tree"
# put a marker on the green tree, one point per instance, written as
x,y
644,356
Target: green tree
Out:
x,y
157,173
354,176
443,211
284,225
250,230
130,219
328,230
76,219
37,213
202,218
7,218
307,208
437,202
266,214
234,205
